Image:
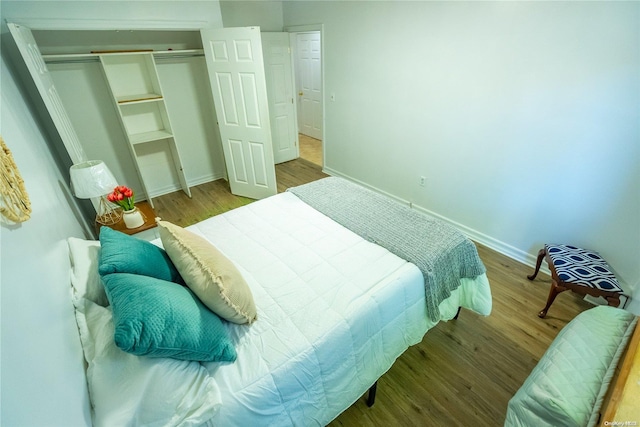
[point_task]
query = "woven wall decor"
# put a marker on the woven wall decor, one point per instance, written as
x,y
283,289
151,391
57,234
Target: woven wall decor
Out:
x,y
14,205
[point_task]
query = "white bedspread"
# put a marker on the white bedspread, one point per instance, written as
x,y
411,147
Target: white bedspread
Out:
x,y
334,312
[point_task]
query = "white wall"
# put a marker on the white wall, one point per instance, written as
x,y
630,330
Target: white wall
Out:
x,y
185,82
156,12
523,116
264,13
41,361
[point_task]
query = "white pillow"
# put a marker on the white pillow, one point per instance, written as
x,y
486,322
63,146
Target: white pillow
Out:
x,y
209,274
85,279
130,390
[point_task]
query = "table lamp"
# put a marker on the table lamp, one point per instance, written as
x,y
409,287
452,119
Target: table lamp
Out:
x,y
93,179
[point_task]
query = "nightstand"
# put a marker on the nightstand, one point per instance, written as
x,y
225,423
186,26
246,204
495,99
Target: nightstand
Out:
x,y
146,231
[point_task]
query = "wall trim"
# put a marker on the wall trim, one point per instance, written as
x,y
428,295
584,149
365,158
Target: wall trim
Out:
x,y
109,24
206,178
334,172
631,304
475,235
304,28
176,187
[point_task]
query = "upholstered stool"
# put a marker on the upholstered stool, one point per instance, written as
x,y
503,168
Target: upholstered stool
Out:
x,y
580,270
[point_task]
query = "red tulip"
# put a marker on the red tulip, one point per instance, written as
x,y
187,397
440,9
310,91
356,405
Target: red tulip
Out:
x,y
128,193
122,188
120,196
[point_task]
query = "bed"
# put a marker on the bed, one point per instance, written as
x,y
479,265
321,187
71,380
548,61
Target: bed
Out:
x,y
334,311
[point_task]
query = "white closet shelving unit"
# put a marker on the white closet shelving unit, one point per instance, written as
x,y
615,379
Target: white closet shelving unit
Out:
x,y
134,84
147,146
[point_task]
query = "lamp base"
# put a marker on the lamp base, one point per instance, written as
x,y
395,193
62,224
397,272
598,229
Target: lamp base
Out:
x,y
107,215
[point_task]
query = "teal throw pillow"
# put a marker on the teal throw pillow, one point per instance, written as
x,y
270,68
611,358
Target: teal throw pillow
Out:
x,y
121,253
157,318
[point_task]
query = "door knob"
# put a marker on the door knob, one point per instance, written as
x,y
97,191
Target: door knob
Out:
x,y
300,93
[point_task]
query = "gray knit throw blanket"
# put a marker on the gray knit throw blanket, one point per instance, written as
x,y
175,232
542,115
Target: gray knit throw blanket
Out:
x,y
441,252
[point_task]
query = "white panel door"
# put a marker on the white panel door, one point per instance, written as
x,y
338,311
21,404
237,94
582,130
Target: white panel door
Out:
x,y
280,89
44,83
236,72
309,79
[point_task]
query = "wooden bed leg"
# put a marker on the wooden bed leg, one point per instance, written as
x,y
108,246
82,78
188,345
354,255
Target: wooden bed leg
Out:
x,y
457,314
371,398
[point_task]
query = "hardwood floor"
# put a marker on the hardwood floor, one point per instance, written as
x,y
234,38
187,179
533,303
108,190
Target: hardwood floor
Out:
x,y
464,372
207,200
310,149
215,197
297,172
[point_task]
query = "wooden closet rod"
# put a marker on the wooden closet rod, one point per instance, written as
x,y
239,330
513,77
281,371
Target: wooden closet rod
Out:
x,y
178,55
78,58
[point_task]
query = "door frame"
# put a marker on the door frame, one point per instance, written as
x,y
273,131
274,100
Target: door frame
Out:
x,y
293,29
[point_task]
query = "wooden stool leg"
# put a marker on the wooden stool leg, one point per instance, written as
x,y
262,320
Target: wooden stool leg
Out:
x,y
553,292
613,301
541,253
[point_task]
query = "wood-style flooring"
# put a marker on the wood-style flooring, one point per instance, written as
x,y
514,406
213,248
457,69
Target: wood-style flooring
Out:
x,y
464,372
215,197
310,149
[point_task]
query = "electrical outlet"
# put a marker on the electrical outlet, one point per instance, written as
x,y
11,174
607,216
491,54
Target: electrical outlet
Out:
x,y
423,181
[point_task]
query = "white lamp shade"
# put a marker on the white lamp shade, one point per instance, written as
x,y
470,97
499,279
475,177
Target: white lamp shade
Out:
x,y
91,179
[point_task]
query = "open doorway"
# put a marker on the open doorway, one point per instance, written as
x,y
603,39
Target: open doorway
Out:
x,y
306,48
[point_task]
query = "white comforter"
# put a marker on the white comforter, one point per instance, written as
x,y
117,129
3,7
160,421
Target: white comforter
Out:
x,y
334,312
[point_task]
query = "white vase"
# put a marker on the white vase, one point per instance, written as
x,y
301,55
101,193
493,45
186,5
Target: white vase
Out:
x,y
132,218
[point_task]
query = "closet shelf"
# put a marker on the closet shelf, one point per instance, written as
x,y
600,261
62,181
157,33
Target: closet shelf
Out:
x,y
80,56
138,99
156,135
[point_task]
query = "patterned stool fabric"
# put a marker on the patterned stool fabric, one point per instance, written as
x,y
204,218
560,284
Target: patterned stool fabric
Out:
x,y
580,270
582,267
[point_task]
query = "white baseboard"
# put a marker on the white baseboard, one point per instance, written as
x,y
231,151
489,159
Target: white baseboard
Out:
x,y
488,241
164,190
172,188
332,172
205,179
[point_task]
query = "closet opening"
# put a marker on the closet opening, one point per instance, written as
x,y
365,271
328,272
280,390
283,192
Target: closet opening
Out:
x,y
97,112
139,100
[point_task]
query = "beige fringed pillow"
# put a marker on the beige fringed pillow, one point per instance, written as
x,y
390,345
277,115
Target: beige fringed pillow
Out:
x,y
209,274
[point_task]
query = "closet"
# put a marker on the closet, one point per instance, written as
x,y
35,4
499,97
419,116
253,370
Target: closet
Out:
x,y
163,112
